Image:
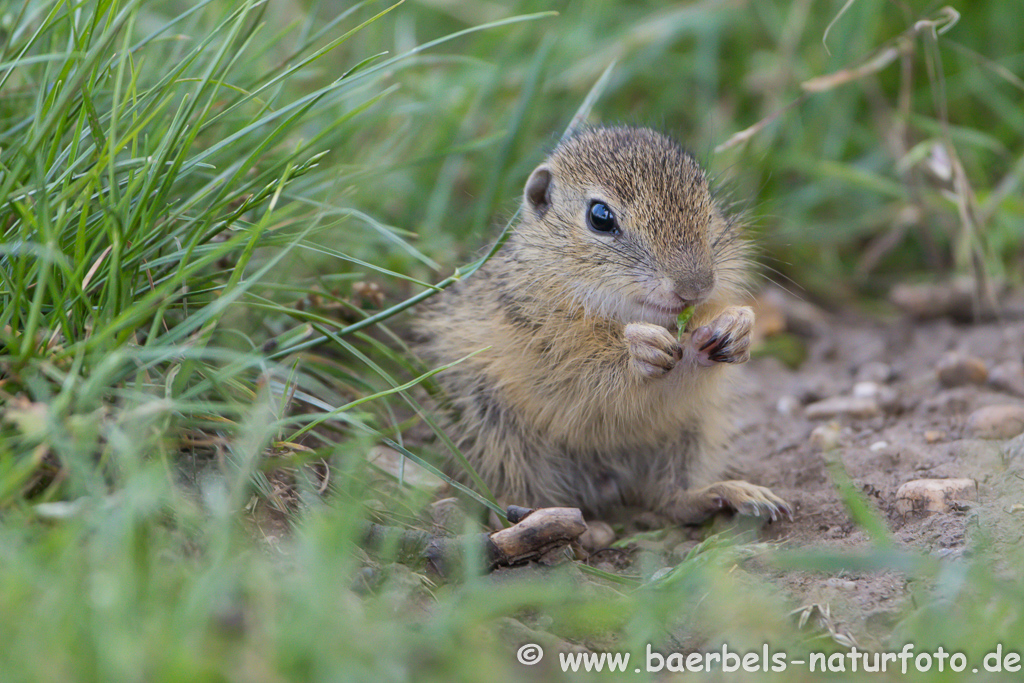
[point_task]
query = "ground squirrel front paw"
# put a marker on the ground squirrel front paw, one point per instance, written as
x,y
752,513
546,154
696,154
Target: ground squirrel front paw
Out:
x,y
726,339
653,351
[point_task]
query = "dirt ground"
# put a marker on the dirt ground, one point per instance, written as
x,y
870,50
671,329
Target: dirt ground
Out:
x,y
918,428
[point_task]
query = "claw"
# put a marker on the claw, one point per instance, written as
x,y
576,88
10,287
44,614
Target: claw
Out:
x,y
752,500
726,339
714,338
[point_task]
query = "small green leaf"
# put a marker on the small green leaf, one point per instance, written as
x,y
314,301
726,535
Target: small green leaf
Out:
x,y
682,320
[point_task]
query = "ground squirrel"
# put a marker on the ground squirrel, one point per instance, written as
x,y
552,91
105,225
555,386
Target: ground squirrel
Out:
x,y
587,397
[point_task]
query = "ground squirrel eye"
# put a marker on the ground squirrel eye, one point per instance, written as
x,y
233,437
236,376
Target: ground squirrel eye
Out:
x,y
601,219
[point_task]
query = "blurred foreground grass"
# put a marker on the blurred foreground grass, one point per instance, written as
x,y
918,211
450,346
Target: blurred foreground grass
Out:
x,y
192,194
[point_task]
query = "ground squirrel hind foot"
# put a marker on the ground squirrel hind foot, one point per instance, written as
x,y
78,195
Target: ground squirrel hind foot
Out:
x,y
695,506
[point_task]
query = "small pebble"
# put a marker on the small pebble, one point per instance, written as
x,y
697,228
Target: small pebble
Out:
x,y
878,446
875,371
841,584
598,535
934,436
934,495
865,389
996,422
956,370
1008,377
788,405
839,406
885,397
825,437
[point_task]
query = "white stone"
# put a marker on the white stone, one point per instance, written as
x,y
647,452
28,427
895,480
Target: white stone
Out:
x,y
925,496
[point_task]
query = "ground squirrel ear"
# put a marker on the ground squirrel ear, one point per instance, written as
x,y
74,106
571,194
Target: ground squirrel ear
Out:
x,y
538,190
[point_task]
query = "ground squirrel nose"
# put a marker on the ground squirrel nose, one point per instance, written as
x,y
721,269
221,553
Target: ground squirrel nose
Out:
x,y
695,287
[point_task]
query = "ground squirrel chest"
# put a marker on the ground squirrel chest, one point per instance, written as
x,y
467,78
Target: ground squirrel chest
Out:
x,y
588,395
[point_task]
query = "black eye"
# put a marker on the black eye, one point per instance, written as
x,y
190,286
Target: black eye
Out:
x,y
601,219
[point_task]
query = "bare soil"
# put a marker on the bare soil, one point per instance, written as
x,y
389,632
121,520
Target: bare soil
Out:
x,y
922,433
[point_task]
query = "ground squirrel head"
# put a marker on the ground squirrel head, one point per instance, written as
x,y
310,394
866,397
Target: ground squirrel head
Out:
x,y
631,223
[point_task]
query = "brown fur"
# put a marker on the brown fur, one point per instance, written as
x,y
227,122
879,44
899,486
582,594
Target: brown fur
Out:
x,y
556,411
